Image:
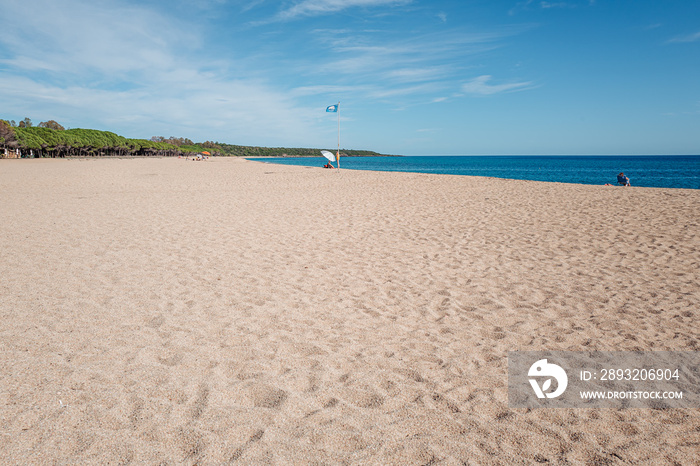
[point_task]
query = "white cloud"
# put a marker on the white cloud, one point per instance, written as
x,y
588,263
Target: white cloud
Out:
x,y
140,71
384,93
407,59
324,89
544,5
134,70
547,5
480,86
686,38
200,108
84,38
404,69
428,73
322,7
520,6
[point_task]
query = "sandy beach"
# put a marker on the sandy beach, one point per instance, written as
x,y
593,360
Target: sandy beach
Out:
x,y
163,311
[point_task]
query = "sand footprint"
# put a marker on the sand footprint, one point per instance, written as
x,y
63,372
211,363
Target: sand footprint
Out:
x,y
363,398
236,455
266,396
200,403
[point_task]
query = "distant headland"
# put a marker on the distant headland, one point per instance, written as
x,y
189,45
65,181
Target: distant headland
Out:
x,y
50,139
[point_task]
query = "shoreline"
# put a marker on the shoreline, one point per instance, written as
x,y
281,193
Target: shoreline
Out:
x,y
649,174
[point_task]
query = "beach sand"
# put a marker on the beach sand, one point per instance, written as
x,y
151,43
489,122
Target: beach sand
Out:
x,y
163,311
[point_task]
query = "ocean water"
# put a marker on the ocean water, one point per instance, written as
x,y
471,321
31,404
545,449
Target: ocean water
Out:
x,y
649,171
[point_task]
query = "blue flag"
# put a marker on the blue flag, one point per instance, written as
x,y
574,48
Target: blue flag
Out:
x,y
332,108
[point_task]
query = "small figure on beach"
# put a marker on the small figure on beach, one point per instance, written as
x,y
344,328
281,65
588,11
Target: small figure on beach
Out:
x,y
623,180
328,165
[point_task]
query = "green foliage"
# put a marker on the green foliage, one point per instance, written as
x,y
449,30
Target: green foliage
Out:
x,y
254,151
173,140
51,139
51,124
7,132
97,139
194,148
145,144
27,138
211,145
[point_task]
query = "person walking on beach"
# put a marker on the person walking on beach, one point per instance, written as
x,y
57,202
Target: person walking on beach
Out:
x,y
623,180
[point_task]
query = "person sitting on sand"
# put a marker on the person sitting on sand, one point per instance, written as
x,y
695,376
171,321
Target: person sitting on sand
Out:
x,y
623,180
328,165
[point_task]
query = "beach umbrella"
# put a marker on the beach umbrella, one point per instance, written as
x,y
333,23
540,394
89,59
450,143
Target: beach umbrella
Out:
x,y
329,156
206,153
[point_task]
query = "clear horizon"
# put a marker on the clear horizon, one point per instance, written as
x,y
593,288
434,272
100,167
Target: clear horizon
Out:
x,y
412,77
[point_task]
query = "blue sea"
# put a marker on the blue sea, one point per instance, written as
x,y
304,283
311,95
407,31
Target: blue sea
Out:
x,y
649,171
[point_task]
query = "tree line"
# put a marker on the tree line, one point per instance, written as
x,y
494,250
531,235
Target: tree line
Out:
x,y
50,139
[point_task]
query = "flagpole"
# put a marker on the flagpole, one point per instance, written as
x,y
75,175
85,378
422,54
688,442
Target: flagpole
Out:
x,y
337,155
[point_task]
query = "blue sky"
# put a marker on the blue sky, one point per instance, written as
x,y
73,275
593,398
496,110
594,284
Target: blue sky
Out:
x,y
413,77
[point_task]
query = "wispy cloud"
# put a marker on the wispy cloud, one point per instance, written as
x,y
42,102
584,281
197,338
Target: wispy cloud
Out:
x,y
520,6
324,7
81,39
417,57
480,86
194,105
143,69
686,38
403,69
384,93
247,6
526,5
138,69
547,5
321,89
415,74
